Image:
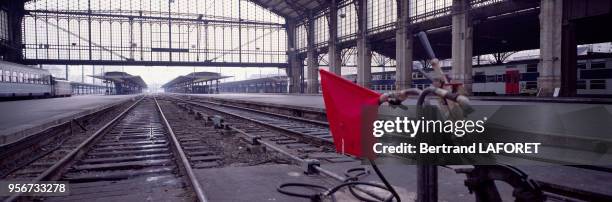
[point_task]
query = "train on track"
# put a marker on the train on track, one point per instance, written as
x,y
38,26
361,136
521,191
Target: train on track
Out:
x,y
594,78
21,81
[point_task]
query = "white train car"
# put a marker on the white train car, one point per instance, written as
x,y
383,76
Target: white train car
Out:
x,y
506,79
23,81
594,77
62,88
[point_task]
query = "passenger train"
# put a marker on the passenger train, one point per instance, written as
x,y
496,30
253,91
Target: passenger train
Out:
x,y
21,81
594,78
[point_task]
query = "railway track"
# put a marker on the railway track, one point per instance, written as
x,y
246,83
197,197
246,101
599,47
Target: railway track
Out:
x,y
279,130
33,154
136,156
299,138
316,130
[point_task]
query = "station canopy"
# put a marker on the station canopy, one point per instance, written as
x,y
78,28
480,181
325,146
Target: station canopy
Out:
x,y
273,79
122,77
291,9
195,78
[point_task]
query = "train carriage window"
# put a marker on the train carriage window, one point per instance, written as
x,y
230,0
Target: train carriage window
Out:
x,y
20,78
598,84
500,78
1,76
14,77
581,66
26,78
532,68
581,84
479,77
491,78
531,85
598,65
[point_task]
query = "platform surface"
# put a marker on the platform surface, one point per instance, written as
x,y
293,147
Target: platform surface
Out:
x,y
26,114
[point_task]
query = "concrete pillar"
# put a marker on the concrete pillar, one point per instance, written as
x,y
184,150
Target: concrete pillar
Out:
x,y
462,45
364,53
313,59
403,46
334,51
295,67
550,46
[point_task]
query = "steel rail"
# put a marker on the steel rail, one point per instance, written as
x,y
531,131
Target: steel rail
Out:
x,y
321,123
302,135
300,161
54,172
268,144
294,158
197,188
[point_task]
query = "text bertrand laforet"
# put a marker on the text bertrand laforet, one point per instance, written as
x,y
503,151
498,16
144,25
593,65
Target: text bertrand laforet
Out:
x,y
458,128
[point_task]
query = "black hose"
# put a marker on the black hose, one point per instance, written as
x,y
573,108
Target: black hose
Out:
x,y
351,181
312,197
384,180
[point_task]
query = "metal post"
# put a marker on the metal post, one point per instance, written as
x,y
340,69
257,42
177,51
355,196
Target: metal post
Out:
x,y
89,26
364,53
334,50
82,74
169,30
312,56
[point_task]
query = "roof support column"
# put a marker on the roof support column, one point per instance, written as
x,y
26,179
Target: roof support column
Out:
x,y
15,12
364,53
312,58
403,44
334,52
295,64
462,45
557,65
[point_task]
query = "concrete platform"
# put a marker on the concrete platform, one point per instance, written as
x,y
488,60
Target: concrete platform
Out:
x,y
26,116
255,183
259,183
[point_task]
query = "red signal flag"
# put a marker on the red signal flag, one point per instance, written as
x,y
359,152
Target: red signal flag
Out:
x,y
351,110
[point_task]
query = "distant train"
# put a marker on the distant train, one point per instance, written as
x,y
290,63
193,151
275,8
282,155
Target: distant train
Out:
x,y
21,81
594,78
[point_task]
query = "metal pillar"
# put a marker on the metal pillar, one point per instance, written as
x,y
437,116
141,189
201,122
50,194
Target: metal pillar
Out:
x,y
293,70
334,51
462,45
569,75
427,183
551,38
364,53
404,45
312,62
15,12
